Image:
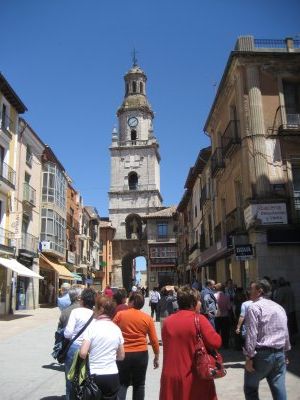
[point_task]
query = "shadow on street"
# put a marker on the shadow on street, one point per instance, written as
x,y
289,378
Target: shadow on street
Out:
x,y
53,398
235,358
294,365
13,317
55,367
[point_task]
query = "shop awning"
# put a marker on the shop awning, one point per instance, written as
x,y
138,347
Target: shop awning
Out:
x,y
62,271
19,268
77,277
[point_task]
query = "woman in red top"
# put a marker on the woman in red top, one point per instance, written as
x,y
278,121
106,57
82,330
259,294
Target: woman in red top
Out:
x,y
178,382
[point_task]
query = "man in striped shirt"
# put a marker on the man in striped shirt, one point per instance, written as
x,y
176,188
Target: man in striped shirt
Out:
x,y
267,340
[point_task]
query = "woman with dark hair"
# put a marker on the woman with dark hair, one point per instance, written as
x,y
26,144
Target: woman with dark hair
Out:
x,y
103,341
120,298
178,380
78,318
135,326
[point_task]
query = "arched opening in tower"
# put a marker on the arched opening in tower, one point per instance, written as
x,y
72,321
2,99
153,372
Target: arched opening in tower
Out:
x,y
133,181
134,270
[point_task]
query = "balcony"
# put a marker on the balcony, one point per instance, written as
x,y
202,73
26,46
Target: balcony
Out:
x,y
133,143
28,244
6,125
161,238
205,196
7,241
217,162
231,138
29,194
51,245
7,176
286,122
234,221
136,188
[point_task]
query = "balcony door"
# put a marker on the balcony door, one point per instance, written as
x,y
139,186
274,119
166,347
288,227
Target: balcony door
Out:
x,y
2,155
296,187
292,102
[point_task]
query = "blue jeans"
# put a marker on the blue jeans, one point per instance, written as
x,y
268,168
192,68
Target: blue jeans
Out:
x,y
267,364
69,359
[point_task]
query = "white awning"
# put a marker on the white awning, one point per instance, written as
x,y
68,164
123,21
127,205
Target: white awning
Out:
x,y
19,268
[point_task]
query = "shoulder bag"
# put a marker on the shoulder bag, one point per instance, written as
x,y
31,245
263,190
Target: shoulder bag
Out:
x,y
208,365
62,347
88,389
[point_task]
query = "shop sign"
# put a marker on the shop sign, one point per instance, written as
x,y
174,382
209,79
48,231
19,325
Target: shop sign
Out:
x,y
71,257
266,214
243,252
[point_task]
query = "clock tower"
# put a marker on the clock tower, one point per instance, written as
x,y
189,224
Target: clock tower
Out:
x,y
135,175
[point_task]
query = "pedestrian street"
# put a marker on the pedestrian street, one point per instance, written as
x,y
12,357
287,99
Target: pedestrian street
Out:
x,y
29,372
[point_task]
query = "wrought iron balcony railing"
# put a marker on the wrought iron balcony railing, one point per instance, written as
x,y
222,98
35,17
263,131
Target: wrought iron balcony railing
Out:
x,y
231,138
7,238
29,242
205,195
7,175
217,161
133,143
286,121
29,194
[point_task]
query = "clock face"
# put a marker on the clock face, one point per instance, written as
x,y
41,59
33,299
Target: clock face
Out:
x,y
132,122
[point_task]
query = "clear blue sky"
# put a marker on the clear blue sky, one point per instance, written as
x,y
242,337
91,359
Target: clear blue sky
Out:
x,y
66,60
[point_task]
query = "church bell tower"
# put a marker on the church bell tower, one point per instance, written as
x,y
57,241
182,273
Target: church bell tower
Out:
x,y
135,170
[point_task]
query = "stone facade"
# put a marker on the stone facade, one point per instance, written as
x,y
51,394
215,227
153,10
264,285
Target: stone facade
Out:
x,y
135,176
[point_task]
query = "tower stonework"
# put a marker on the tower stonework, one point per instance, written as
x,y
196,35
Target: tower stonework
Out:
x,y
135,176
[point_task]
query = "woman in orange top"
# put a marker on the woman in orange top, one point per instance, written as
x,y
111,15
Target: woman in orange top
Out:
x,y
135,326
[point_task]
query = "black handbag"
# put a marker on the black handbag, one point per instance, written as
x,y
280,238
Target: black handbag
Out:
x,y
62,345
88,390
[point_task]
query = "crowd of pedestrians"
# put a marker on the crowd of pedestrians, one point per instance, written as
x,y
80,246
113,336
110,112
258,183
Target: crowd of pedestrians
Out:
x,y
113,331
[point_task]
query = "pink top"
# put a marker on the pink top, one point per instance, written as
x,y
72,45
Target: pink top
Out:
x,y
224,304
266,326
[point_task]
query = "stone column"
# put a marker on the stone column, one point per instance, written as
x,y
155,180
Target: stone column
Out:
x,y
247,165
257,131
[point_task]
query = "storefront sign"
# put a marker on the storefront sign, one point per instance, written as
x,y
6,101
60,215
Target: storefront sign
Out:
x,y
243,252
71,257
265,214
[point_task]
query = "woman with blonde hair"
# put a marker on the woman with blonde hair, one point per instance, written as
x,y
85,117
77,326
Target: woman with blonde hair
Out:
x,y
178,379
103,341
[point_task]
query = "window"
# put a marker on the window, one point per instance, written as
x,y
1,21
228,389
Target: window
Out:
x,y
54,186
133,181
134,87
4,118
195,211
127,89
25,223
162,229
27,178
53,229
292,102
28,156
141,87
2,155
133,135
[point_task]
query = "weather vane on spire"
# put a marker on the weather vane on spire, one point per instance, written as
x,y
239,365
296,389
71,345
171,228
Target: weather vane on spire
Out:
x,y
134,58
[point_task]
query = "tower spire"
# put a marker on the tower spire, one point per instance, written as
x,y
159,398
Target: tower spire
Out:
x,y
134,58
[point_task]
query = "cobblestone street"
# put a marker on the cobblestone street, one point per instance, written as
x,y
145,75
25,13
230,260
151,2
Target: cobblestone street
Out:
x,y
29,372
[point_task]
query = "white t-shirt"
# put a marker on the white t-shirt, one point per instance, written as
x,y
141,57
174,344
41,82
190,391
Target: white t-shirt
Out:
x,y
105,338
78,318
